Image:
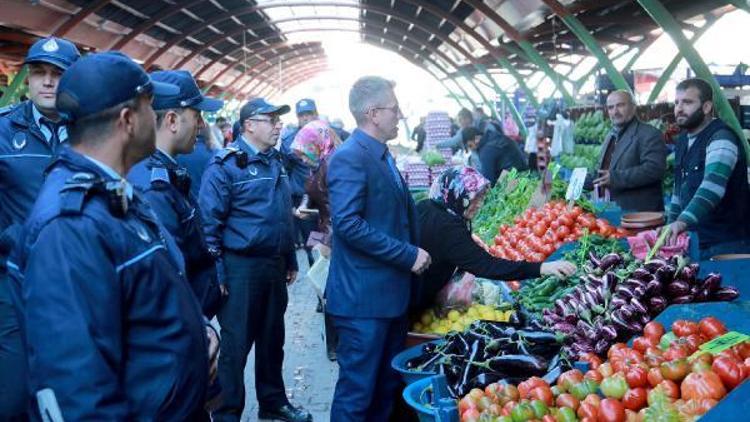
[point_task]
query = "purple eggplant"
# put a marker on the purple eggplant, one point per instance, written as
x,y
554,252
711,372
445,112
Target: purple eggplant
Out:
x,y
639,292
641,274
687,273
664,275
617,302
683,299
626,312
608,332
635,326
712,282
617,318
594,260
726,293
653,288
624,292
637,306
570,318
657,302
609,261
601,346
564,327
610,281
678,288
634,282
653,265
703,295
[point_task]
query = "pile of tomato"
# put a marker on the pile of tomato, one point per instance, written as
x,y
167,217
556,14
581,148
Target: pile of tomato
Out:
x,y
539,232
663,377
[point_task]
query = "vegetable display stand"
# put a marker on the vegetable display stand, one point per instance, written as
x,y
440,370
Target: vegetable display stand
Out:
x,y
736,316
399,364
734,272
430,400
611,212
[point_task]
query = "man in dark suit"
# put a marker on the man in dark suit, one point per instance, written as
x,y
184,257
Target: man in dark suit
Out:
x,y
375,229
633,158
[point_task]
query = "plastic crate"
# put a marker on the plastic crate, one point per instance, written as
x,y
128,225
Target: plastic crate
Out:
x,y
430,400
399,364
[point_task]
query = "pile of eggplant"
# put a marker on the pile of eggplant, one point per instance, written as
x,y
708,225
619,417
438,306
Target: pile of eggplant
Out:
x,y
489,352
611,305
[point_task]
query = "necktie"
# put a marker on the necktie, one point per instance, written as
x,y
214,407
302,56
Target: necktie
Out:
x,y
53,128
394,170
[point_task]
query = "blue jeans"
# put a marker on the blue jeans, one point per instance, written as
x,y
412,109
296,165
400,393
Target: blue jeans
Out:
x,y
367,384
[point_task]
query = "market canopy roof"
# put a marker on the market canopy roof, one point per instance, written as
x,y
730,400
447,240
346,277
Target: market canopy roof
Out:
x,y
244,47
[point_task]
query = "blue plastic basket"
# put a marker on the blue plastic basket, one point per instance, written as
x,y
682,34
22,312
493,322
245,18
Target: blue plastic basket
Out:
x,y
733,273
399,364
429,399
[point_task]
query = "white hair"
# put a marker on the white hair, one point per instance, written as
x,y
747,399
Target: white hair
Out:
x,y
366,93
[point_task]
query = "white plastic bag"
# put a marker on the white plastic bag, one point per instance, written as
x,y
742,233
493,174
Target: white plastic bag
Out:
x,y
318,274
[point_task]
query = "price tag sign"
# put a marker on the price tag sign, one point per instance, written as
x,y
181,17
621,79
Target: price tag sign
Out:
x,y
575,186
724,342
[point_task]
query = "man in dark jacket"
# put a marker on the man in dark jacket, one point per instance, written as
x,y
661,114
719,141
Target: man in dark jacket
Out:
x,y
496,152
632,160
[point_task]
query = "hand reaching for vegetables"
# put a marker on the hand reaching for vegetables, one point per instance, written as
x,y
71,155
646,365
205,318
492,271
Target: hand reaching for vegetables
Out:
x,y
559,269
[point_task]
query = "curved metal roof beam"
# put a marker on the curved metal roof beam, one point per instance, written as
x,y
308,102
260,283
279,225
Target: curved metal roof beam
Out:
x,y
291,62
283,83
79,16
167,11
396,50
273,79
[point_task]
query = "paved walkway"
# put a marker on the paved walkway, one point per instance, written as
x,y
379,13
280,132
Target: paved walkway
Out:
x,y
309,376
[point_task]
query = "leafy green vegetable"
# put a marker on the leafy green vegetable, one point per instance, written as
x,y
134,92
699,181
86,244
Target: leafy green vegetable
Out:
x,y
509,198
433,158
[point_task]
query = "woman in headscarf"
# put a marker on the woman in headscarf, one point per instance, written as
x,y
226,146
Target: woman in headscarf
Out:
x,y
313,144
445,221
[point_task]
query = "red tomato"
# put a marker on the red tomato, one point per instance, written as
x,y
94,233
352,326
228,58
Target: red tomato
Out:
x,y
670,388
730,371
593,360
712,327
675,352
654,330
525,387
642,343
587,410
653,356
567,400
636,376
611,410
470,415
466,403
683,328
568,379
654,377
542,393
704,385
594,375
635,399
549,418
565,221
562,232
593,399
539,230
743,349
675,370
606,369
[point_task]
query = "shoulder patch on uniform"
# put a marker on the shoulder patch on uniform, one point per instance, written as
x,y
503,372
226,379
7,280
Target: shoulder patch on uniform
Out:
x,y
73,194
159,174
226,153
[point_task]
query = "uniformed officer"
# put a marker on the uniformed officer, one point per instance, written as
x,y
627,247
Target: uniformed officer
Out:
x,y
167,185
30,134
112,328
247,213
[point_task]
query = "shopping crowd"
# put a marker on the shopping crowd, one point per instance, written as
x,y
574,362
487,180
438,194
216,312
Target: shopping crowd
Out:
x,y
125,231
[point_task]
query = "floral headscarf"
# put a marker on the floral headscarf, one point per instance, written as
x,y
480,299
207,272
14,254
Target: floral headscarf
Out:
x,y
457,187
315,141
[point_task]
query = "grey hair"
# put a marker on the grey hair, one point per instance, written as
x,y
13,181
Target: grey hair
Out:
x,y
625,92
366,93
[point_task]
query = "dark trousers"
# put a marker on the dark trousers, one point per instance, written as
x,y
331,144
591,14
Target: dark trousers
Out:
x,y
367,384
252,315
13,374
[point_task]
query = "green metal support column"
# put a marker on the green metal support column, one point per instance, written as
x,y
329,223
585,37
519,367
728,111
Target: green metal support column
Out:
x,y
455,97
661,16
580,31
556,78
508,103
466,94
741,4
476,88
669,70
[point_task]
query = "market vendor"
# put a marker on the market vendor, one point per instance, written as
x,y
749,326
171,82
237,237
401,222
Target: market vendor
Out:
x,y
711,194
495,151
445,222
633,158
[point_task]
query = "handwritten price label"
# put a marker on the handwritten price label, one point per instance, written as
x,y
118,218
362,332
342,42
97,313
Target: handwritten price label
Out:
x,y
724,342
575,186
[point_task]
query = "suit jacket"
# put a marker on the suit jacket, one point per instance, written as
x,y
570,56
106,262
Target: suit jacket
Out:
x,y
375,226
637,168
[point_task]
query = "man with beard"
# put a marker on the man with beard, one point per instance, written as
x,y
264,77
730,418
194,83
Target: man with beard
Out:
x,y
31,134
632,160
112,328
711,194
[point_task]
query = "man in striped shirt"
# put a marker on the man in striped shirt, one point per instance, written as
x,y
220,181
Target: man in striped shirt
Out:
x,y
711,193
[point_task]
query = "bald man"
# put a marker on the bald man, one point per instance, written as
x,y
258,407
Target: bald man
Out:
x,y
633,158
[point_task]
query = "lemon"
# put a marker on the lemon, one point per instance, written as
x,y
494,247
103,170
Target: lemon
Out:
x,y
472,313
454,315
457,327
418,327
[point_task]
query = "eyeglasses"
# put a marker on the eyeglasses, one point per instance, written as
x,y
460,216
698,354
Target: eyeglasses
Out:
x,y
395,109
273,120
